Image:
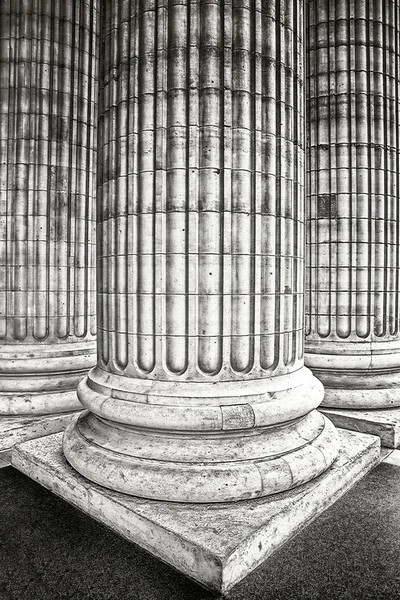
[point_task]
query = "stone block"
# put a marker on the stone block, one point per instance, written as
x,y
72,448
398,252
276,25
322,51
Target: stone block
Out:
x,y
384,423
14,429
215,544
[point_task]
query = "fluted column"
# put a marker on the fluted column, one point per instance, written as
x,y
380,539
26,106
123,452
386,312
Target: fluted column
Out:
x,y
353,200
200,393
48,116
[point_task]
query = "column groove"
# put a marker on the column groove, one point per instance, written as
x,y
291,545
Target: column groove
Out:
x,y
48,111
352,290
214,378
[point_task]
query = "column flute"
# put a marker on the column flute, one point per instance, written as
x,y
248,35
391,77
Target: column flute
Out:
x,y
353,200
48,62
200,393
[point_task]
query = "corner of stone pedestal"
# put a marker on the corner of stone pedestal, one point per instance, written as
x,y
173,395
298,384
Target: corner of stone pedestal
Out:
x,y
16,429
215,544
384,422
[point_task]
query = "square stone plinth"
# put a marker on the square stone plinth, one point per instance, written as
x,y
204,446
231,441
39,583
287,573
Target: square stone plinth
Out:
x,y
215,544
385,423
16,429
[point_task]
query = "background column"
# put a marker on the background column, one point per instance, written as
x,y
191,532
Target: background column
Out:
x,y
47,167
200,393
353,201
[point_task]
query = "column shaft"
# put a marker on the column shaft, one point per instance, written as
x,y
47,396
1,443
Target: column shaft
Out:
x,y
48,117
200,388
353,231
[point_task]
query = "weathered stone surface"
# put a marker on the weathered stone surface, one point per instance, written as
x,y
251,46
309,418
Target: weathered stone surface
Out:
x,y
196,468
385,423
200,393
15,429
48,95
353,195
393,458
216,544
5,458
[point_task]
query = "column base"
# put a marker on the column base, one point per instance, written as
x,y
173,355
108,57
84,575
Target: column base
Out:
x,y
42,379
356,375
200,442
385,423
367,398
19,429
215,544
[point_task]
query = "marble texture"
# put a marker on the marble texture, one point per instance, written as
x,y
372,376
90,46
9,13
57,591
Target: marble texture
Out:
x,y
215,544
207,467
48,115
15,429
384,423
353,195
200,391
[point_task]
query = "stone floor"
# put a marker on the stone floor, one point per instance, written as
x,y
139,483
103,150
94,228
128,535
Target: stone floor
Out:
x,y
50,550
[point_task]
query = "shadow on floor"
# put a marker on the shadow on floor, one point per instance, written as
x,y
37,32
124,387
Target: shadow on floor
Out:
x,y
49,550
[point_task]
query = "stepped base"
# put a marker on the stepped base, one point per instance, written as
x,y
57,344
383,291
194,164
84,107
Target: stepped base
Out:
x,y
14,429
215,544
383,422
